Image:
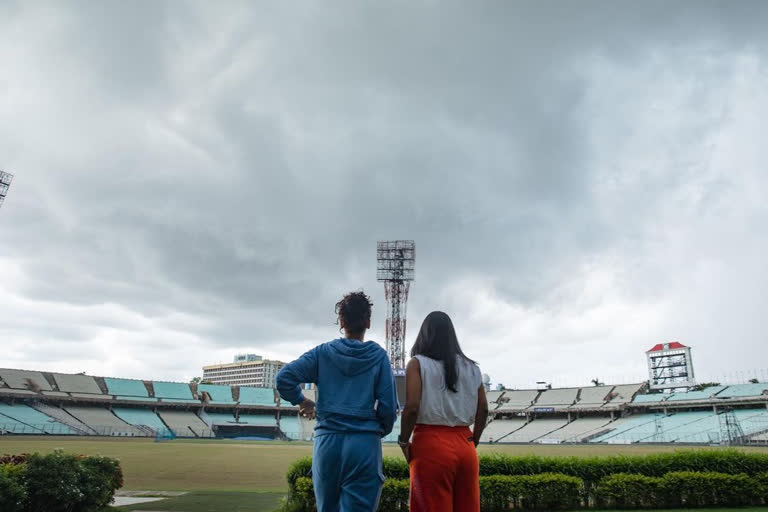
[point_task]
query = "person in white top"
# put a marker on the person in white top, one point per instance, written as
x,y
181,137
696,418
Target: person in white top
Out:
x,y
444,396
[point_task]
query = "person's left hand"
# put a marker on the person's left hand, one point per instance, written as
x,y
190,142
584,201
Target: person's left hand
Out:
x,y
406,452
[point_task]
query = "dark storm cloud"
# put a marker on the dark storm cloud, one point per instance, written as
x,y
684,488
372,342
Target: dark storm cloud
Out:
x,y
221,172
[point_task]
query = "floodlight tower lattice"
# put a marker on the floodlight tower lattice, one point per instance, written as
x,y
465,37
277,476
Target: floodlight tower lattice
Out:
x,y
5,182
395,261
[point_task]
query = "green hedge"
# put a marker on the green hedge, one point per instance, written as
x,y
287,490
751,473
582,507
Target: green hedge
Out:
x,y
670,479
57,482
680,489
547,491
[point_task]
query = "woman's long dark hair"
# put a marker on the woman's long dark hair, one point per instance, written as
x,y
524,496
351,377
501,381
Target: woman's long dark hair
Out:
x,y
437,340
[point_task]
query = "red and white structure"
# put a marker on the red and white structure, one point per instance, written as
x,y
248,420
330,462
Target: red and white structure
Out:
x,y
670,366
394,267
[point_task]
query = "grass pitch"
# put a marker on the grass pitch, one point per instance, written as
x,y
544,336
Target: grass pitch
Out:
x,y
232,466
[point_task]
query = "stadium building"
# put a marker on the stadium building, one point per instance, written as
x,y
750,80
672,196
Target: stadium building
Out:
x,y
246,370
43,403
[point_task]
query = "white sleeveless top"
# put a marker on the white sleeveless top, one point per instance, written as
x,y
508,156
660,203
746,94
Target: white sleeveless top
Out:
x,y
441,406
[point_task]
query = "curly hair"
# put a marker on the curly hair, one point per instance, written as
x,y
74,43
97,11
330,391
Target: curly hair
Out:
x,y
355,310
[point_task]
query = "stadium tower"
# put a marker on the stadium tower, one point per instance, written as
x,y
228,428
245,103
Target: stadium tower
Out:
x,y
395,262
5,182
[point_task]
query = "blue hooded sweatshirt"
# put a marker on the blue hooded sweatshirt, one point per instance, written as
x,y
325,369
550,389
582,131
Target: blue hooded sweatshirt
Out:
x,y
355,386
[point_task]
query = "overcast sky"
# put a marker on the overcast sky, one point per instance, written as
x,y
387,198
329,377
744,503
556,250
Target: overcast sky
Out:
x,y
583,180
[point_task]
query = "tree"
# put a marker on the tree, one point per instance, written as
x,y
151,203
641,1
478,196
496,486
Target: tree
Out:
x,y
754,381
596,382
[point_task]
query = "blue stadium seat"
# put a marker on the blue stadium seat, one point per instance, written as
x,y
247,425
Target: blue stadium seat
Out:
x,y
219,394
28,419
138,417
173,390
125,387
257,396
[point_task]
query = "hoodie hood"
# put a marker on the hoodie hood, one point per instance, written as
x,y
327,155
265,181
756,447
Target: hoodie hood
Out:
x,y
353,357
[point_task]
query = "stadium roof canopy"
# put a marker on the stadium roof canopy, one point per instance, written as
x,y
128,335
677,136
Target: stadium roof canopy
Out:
x,y
667,346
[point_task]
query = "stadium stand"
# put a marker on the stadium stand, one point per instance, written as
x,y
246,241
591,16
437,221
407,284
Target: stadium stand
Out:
x,y
25,419
515,400
12,426
289,426
578,430
173,392
64,417
649,399
704,394
392,436
218,394
592,397
498,428
563,397
11,391
82,384
185,424
535,429
126,389
257,396
263,420
493,399
103,421
141,418
744,390
218,418
23,379
624,393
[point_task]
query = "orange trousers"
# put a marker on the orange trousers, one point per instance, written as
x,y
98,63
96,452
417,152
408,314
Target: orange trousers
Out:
x,y
445,472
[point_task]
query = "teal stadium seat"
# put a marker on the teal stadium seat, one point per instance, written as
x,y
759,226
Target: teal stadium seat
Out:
x,y
652,398
26,420
220,418
173,391
125,388
262,420
139,417
744,390
219,394
289,425
257,396
704,394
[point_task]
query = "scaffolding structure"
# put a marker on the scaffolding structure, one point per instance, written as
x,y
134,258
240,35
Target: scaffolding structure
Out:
x,y
395,261
5,182
670,367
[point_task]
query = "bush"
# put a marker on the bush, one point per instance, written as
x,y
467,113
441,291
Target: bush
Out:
x,y
621,481
394,495
13,494
624,490
691,489
547,491
58,482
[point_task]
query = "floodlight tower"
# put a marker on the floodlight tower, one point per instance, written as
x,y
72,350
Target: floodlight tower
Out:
x,y
5,182
395,261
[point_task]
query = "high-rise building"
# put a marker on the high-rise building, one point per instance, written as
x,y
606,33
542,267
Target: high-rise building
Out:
x,y
247,370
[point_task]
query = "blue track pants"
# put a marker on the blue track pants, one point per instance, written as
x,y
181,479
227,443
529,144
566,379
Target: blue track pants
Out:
x,y
346,472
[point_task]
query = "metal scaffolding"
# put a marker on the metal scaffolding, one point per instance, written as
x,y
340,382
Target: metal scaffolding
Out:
x,y
395,268
5,182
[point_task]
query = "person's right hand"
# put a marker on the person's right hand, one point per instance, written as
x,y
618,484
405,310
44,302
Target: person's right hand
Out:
x,y
307,409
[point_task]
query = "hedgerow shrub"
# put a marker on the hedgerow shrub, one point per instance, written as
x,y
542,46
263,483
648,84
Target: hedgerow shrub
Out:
x,y
669,479
13,494
691,489
625,491
548,491
58,482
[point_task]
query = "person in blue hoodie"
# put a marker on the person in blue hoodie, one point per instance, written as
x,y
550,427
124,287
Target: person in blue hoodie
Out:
x,y
356,407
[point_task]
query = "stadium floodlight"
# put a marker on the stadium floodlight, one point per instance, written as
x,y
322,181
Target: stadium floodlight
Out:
x,y
395,268
5,182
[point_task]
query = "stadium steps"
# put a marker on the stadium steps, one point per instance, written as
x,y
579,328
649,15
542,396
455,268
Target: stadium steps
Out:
x,y
64,417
